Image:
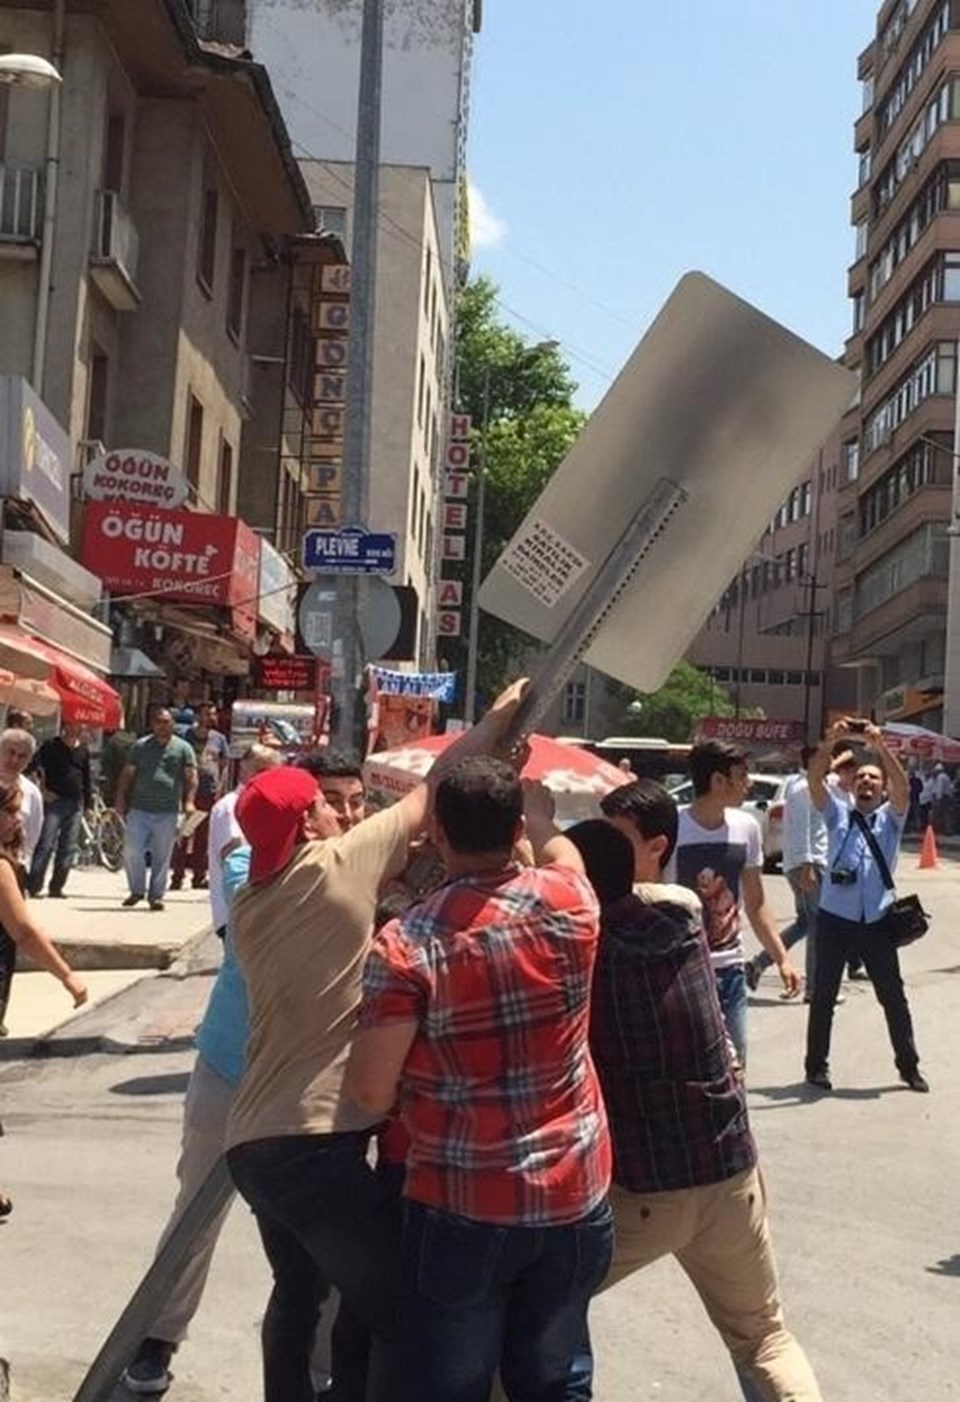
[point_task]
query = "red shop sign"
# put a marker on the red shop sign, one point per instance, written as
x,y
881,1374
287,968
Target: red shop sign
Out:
x,y
298,673
750,730
188,556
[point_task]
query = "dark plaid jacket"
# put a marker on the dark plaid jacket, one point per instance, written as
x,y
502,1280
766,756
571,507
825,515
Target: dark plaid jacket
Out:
x,y
678,1114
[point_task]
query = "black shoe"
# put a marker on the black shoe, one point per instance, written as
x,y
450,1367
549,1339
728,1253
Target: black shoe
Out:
x,y
149,1371
156,905
57,895
134,898
6,1204
201,885
753,975
176,883
915,1080
820,1079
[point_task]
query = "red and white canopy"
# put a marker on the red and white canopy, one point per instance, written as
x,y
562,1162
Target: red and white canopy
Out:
x,y
39,669
915,742
577,779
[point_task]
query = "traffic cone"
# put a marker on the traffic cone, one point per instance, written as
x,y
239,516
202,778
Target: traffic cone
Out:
x,y
928,852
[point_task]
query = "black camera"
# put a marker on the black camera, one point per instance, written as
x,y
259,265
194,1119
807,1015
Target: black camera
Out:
x,y
843,876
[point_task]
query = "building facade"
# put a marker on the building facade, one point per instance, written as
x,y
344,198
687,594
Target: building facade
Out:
x,y
163,215
894,504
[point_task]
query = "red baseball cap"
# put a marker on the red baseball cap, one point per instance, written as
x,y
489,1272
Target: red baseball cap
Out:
x,y
269,810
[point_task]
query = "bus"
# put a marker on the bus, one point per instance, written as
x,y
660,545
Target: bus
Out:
x,y
649,756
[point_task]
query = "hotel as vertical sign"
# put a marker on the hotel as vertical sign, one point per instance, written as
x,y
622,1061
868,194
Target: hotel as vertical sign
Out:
x,y
456,488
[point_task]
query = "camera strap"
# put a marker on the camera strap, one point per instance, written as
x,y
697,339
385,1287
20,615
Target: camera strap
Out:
x,y
857,817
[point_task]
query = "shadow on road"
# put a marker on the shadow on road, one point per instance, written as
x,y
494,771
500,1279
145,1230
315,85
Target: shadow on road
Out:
x,y
799,1093
950,1265
175,1083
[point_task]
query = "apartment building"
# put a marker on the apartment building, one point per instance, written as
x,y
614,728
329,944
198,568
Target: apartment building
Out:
x,y
894,503
411,365
171,198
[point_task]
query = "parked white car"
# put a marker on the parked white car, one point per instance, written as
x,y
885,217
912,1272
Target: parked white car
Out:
x,y
765,801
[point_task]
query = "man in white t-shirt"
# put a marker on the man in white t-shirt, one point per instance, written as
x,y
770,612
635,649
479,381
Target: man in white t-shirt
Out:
x,y
223,831
719,854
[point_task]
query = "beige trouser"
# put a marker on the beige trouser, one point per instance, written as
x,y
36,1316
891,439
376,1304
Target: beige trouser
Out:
x,y
205,1112
719,1235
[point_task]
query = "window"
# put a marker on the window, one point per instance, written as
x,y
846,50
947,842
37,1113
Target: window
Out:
x,y
802,552
237,290
574,702
225,480
194,444
426,283
806,498
922,555
99,372
421,385
794,679
851,460
860,240
775,678
758,676
330,219
207,248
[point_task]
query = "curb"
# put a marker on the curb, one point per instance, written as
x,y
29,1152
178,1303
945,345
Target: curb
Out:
x,y
69,1039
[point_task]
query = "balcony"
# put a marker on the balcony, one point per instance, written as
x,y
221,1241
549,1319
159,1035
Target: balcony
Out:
x,y
115,253
21,211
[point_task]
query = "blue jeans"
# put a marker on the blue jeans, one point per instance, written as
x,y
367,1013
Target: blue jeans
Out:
x,y
60,832
325,1218
153,833
479,1297
732,990
806,904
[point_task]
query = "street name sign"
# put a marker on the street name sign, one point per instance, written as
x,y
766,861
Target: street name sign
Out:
x,y
350,550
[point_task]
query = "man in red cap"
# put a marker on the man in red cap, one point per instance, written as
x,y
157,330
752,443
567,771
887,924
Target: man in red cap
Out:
x,y
297,1146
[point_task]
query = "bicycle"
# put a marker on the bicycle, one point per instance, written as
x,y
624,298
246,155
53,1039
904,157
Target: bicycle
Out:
x,y
101,836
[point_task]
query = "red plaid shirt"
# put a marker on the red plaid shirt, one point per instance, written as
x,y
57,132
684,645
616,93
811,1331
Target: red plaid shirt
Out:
x,y
498,1092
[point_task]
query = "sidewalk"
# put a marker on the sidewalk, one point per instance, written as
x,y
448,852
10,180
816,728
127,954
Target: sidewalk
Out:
x,y
115,949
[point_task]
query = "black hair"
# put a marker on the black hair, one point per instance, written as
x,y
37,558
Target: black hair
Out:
x,y
713,757
479,805
330,764
649,807
608,857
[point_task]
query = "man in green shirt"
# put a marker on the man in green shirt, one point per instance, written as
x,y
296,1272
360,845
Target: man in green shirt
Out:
x,y
158,780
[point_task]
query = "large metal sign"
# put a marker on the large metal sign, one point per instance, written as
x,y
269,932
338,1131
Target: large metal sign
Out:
x,y
713,420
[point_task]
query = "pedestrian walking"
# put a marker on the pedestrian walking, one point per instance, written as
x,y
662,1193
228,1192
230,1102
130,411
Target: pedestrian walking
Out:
x,y
804,859
157,782
212,756
63,764
719,856
862,842
17,749
475,1014
928,793
223,830
296,1146
686,1180
942,800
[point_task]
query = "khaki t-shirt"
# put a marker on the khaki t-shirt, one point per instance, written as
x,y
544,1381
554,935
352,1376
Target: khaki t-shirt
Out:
x,y
302,940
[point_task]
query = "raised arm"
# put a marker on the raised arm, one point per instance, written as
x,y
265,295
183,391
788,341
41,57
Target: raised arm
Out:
x,y
484,738
548,842
898,784
819,766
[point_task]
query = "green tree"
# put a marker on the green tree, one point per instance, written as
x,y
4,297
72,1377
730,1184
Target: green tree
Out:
x,y
519,396
672,712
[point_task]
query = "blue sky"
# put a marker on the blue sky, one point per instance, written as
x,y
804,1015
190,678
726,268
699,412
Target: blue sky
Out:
x,y
616,145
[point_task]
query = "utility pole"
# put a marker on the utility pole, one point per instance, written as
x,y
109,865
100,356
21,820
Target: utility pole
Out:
x,y
359,387
951,661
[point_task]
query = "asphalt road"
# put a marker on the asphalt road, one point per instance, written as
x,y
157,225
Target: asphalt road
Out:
x,y
862,1185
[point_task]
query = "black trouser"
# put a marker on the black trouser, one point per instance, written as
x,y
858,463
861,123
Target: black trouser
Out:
x,y
8,963
324,1217
837,941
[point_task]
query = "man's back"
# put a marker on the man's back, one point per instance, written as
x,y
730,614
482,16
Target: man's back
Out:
x,y
499,1091
678,1115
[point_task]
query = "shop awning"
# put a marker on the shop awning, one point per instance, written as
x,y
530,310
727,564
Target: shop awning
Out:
x,y
85,698
28,694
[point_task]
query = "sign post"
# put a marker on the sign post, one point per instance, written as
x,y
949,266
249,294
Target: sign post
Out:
x,y
351,550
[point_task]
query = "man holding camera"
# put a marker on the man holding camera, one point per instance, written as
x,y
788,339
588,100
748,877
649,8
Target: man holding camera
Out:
x,y
854,898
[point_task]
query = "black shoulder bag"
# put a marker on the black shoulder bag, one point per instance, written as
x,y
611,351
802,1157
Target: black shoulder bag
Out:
x,y
905,920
